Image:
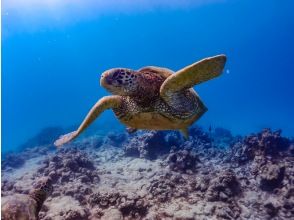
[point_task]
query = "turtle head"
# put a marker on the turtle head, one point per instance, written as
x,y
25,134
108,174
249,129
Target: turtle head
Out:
x,y
120,81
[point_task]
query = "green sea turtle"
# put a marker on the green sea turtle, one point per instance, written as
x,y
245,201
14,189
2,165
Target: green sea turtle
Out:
x,y
26,207
153,97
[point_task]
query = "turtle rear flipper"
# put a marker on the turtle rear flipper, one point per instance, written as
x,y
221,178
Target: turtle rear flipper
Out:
x,y
131,130
192,75
185,133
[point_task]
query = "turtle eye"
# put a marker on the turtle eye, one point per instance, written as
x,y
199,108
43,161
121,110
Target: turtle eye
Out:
x,y
115,74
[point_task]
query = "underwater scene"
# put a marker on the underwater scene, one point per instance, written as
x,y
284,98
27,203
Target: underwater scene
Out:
x,y
167,109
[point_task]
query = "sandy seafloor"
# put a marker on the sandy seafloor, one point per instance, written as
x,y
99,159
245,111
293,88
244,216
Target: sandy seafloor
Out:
x,y
158,175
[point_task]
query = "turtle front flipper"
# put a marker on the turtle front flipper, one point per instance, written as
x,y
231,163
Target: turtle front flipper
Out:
x,y
103,104
192,75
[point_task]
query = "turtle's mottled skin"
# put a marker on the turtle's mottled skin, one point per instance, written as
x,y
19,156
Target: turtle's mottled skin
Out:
x,y
26,207
146,109
153,97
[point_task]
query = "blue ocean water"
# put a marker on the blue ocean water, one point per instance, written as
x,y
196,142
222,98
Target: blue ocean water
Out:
x,y
53,54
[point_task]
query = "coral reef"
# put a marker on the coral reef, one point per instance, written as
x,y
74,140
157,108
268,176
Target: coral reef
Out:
x,y
12,160
159,175
182,160
265,143
70,164
127,204
167,186
271,176
22,206
151,144
15,160
222,137
223,187
200,136
115,139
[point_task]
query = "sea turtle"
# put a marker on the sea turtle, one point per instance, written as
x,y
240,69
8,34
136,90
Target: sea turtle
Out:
x,y
153,97
26,207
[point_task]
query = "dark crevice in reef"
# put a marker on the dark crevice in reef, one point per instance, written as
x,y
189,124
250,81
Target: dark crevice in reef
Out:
x,y
159,175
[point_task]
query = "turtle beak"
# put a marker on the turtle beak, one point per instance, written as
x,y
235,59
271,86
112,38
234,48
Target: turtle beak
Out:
x,y
104,80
